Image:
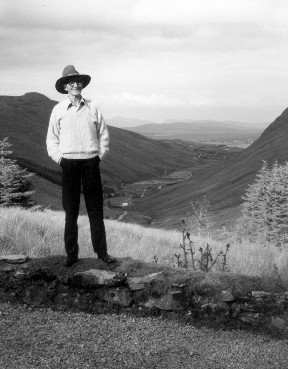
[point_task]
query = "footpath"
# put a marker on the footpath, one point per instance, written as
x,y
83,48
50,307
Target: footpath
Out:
x,y
44,338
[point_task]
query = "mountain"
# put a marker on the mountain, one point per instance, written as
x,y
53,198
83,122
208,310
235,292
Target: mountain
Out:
x,y
223,184
230,123
121,122
206,130
24,119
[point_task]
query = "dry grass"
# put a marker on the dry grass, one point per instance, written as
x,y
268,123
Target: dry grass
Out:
x,y
41,234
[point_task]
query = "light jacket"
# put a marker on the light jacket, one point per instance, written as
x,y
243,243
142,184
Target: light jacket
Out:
x,y
77,133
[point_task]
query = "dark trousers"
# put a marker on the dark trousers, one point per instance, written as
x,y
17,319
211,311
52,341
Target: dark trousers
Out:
x,y
75,172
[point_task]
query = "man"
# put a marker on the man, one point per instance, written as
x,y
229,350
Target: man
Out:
x,y
78,140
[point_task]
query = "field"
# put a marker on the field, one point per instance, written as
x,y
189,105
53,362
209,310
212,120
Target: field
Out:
x,y
40,233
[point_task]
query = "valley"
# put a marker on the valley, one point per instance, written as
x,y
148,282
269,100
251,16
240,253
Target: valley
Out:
x,y
145,180
120,195
127,195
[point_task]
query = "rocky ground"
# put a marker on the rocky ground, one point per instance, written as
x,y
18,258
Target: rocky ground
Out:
x,y
43,338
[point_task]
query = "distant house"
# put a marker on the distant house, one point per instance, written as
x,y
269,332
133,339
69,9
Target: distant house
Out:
x,y
125,204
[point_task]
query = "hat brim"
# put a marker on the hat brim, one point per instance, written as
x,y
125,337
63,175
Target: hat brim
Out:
x,y
59,85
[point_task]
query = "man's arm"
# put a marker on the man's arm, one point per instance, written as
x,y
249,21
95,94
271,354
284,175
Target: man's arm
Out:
x,y
103,135
52,140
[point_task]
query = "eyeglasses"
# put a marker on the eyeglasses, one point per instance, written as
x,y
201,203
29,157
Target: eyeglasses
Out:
x,y
79,81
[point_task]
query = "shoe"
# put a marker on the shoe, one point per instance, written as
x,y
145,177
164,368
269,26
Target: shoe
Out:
x,y
108,259
70,261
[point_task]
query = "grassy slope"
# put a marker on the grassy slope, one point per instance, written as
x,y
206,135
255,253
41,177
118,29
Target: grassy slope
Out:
x,y
224,183
41,234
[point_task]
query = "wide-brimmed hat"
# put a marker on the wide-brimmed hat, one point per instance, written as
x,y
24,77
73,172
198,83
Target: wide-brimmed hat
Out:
x,y
67,73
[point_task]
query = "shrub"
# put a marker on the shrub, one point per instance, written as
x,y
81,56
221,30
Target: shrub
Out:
x,y
200,218
265,206
15,184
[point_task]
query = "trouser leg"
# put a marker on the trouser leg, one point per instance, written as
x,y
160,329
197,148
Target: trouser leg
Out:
x,y
93,195
71,186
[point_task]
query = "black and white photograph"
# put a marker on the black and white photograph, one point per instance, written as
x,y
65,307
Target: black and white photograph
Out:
x,y
144,184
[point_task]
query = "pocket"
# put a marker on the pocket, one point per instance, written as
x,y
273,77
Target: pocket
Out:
x,y
64,163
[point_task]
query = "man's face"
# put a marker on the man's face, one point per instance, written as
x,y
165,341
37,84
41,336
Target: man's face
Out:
x,y
74,86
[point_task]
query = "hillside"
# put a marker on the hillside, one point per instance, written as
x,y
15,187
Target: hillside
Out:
x,y
223,184
24,119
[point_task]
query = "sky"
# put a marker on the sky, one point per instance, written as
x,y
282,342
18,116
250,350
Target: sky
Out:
x,y
153,59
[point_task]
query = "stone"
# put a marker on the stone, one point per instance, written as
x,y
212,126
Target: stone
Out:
x,y
213,308
251,318
165,302
120,296
42,273
248,307
236,310
63,299
21,274
95,278
278,323
6,268
260,294
176,292
35,295
81,302
64,278
227,296
14,259
179,285
139,283
208,308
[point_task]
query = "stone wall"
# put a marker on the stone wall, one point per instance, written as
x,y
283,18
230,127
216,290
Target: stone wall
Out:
x,y
92,286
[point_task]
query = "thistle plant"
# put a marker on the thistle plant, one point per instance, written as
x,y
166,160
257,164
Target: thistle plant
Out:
x,y
190,249
178,258
155,259
224,255
186,247
206,261
183,245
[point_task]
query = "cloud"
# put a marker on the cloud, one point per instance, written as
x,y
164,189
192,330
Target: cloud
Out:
x,y
139,18
201,26
145,100
150,53
153,100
